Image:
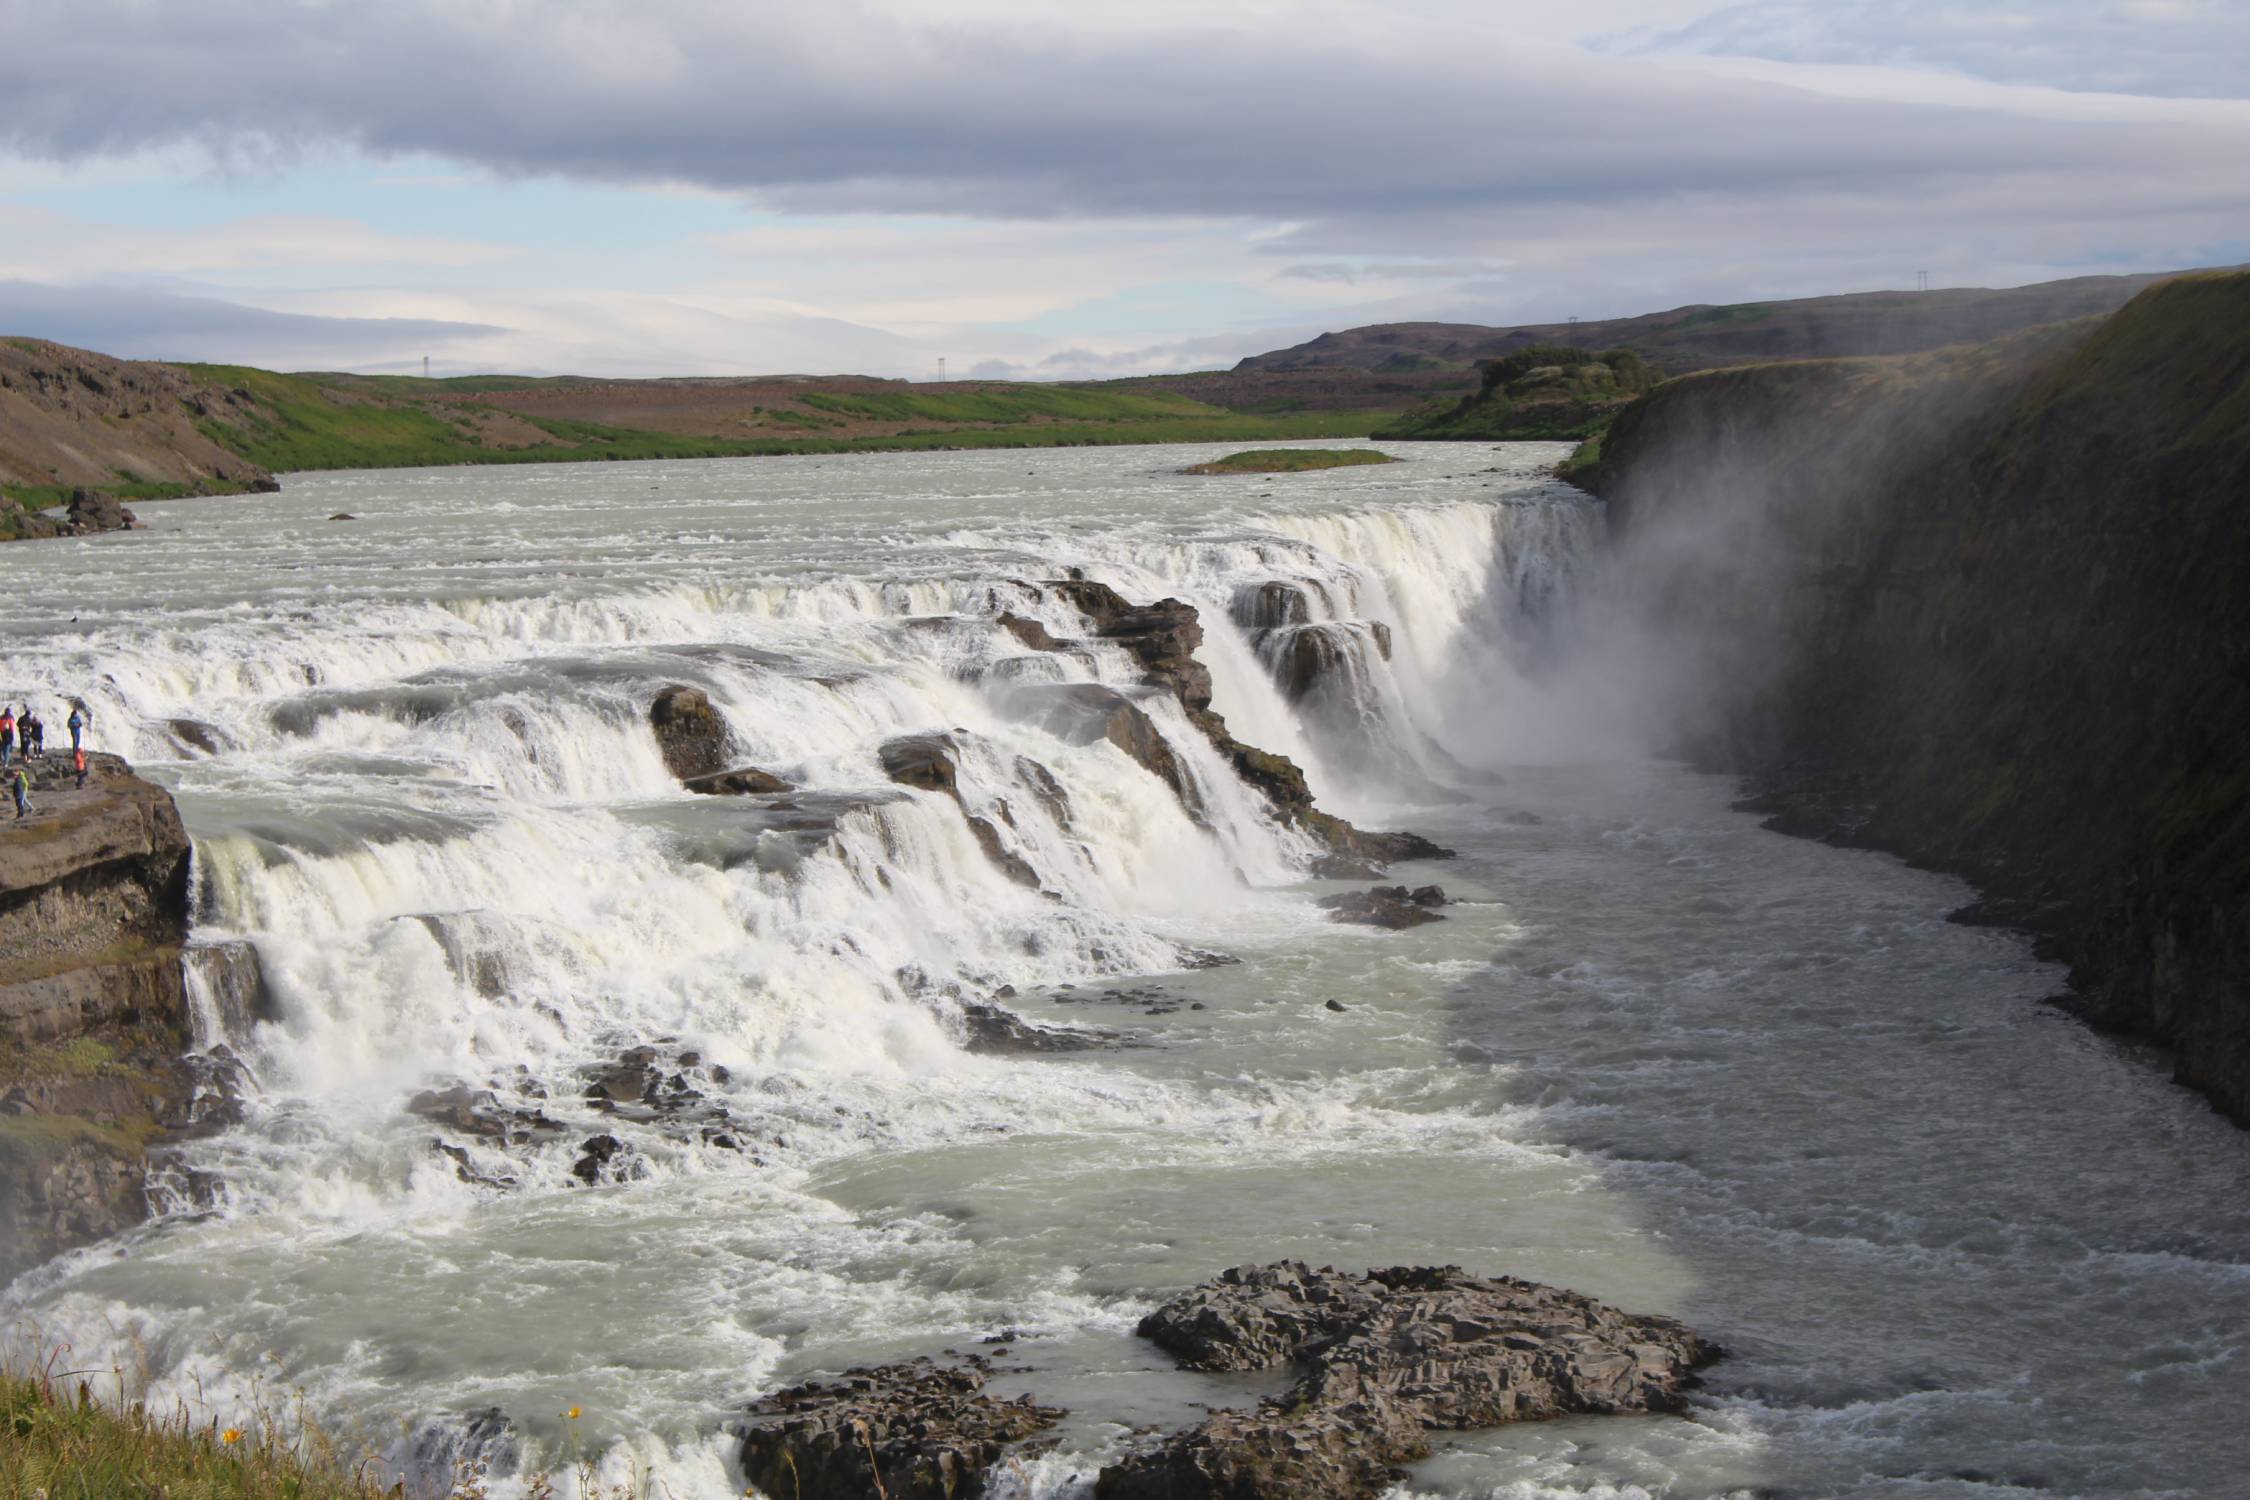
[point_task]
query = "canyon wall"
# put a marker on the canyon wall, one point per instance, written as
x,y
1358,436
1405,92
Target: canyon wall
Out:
x,y
1989,609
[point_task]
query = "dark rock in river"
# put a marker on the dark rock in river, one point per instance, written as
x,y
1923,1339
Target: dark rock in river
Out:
x,y
914,1431
923,761
1391,906
1384,1360
98,510
1034,635
742,781
194,734
604,1158
482,1115
994,1029
689,731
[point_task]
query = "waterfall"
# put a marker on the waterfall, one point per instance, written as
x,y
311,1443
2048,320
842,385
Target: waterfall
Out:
x,y
470,940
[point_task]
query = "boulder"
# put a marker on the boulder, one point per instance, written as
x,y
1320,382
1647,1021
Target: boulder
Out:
x,y
922,761
742,781
996,1030
194,734
98,510
1035,636
689,731
1383,1360
480,1114
915,1431
604,1158
1387,906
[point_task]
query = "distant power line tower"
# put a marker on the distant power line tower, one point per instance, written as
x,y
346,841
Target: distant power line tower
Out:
x,y
941,367
1921,281
425,367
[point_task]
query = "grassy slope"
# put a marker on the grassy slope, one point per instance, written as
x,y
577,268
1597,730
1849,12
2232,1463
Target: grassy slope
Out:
x,y
57,1444
1545,391
1291,460
321,422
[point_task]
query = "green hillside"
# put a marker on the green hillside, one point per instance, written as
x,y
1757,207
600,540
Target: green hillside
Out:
x,y
1545,391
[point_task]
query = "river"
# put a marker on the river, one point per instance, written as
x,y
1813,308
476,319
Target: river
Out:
x,y
1953,1243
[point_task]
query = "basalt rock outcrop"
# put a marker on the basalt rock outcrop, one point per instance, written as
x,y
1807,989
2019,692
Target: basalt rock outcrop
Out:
x,y
1162,639
1384,1360
1388,906
1988,609
689,731
93,1006
692,734
917,1431
89,513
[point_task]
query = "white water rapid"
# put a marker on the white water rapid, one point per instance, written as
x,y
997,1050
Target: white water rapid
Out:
x,y
1953,1244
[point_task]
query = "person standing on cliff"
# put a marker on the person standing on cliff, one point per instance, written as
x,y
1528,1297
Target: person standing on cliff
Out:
x,y
78,760
7,735
38,728
21,786
77,723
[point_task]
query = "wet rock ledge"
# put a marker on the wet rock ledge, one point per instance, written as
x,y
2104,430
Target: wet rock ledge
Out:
x,y
1383,1361
93,1007
916,1431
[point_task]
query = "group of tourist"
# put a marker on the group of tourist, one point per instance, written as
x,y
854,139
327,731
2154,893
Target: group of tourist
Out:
x,y
23,738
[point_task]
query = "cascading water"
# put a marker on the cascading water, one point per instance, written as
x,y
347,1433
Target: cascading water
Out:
x,y
565,1087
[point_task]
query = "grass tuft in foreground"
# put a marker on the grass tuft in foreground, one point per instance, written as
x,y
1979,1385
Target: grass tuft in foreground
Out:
x,y
57,1442
1290,460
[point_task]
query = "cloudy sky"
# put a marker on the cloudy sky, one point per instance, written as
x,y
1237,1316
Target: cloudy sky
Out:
x,y
1046,189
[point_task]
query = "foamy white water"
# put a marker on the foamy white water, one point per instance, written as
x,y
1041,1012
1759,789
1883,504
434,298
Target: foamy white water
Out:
x,y
1955,1244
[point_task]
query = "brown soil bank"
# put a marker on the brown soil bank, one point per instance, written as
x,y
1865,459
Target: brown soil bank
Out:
x,y
70,418
1989,609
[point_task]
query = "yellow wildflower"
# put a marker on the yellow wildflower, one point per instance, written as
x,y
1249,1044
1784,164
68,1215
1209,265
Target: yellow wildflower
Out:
x,y
231,1436
572,1414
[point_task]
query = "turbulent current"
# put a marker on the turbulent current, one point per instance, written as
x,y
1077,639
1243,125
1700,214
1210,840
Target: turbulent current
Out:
x,y
1953,1243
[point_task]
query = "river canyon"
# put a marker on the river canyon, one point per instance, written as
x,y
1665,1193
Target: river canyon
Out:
x,y
563,1088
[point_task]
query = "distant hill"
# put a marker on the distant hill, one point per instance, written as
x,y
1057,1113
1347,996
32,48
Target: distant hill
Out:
x,y
71,418
1703,337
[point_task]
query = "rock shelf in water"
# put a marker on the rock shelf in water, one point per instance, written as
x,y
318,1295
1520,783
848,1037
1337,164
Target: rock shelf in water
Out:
x,y
1384,1360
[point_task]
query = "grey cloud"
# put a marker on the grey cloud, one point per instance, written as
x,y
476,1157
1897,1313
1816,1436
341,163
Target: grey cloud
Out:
x,y
141,323
2177,48
831,108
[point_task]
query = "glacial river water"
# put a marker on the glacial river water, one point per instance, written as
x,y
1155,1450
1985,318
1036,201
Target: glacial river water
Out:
x,y
1953,1243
